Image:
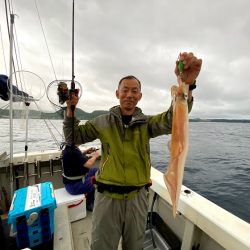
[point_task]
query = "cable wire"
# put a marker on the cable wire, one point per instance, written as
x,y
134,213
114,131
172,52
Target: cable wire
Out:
x,y
4,107
50,130
45,40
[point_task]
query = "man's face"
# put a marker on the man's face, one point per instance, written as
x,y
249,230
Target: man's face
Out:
x,y
129,93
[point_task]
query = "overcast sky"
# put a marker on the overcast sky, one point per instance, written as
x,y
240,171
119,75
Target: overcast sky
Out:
x,y
114,38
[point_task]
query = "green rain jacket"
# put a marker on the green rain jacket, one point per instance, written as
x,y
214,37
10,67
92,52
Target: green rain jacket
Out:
x,y
125,157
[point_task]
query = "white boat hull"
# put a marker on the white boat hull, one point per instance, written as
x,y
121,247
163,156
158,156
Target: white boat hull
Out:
x,y
199,223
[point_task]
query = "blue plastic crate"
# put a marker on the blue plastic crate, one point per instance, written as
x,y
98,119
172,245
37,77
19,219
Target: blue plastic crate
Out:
x,y
32,214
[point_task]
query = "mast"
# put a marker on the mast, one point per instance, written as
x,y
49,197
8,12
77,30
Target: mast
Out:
x,y
12,17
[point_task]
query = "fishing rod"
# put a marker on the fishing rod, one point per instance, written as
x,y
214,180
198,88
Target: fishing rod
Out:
x,y
12,18
63,92
73,46
73,90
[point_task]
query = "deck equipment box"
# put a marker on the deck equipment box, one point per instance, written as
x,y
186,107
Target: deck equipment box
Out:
x,y
76,204
32,214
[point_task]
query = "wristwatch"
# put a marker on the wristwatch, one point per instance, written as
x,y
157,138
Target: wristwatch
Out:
x,y
192,86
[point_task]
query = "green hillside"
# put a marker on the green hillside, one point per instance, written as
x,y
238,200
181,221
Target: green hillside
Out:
x,y
34,114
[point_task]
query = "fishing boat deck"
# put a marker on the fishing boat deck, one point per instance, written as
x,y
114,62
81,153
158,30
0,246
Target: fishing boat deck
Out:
x,y
199,222
75,235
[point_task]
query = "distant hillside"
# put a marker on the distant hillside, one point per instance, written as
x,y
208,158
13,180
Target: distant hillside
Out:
x,y
220,120
82,115
34,114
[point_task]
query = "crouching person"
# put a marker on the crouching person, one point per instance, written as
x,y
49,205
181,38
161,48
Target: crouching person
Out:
x,y
78,168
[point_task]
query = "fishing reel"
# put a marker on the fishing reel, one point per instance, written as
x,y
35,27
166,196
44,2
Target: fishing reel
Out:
x,y
59,91
64,93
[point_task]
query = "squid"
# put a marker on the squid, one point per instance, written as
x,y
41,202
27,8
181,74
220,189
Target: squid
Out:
x,y
173,176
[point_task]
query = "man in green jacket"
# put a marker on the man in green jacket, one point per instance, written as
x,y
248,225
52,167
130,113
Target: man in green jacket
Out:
x,y
121,202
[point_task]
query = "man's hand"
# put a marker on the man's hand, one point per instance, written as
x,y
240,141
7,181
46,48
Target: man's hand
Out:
x,y
192,67
73,100
89,150
96,154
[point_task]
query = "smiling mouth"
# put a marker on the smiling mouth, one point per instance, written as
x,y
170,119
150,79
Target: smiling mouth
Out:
x,y
128,102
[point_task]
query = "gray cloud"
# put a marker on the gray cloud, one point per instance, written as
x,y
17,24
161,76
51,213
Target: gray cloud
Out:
x,y
115,38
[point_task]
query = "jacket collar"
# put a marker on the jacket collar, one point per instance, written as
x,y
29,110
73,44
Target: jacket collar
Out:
x,y
137,116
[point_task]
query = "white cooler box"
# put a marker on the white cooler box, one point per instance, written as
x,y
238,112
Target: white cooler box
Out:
x,y
76,203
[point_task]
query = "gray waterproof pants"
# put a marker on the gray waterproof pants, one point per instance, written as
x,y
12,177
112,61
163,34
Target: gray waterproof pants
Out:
x,y
114,218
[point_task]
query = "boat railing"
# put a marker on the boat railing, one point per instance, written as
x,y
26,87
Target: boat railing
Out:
x,y
201,215
33,165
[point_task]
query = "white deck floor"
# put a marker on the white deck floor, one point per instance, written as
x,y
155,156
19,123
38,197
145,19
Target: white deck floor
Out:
x,y
81,232
75,235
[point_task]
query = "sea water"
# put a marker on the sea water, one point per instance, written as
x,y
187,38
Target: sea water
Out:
x,y
217,166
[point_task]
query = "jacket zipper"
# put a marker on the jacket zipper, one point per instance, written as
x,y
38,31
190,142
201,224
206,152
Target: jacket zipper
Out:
x,y
106,160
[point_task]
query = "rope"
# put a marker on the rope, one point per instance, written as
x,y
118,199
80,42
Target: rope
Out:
x,y
50,131
55,128
45,40
4,107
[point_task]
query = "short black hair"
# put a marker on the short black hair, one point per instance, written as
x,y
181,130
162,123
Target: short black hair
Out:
x,y
129,78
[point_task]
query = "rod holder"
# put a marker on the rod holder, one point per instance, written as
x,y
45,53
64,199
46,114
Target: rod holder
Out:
x,y
38,166
51,165
26,173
